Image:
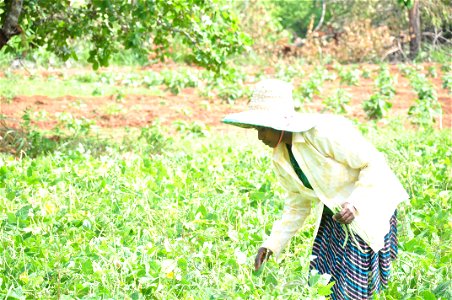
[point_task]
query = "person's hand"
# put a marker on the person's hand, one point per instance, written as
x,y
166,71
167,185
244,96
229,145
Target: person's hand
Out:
x,y
262,255
346,215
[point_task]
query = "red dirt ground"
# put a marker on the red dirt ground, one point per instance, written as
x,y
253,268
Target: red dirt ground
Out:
x,y
188,106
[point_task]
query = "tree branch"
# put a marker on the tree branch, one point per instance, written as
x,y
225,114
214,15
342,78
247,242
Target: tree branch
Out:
x,y
11,25
176,30
321,17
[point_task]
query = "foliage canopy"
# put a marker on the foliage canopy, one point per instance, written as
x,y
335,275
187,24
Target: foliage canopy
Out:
x,y
106,27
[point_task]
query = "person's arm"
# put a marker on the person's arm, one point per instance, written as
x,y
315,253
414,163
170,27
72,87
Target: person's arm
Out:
x,y
296,209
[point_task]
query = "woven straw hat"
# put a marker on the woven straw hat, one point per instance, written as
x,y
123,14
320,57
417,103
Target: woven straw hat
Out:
x,y
272,106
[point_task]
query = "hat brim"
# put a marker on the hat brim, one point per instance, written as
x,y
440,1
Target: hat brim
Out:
x,y
289,122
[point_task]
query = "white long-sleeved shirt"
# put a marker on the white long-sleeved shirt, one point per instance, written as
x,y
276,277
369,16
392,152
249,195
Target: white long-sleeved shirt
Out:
x,y
342,166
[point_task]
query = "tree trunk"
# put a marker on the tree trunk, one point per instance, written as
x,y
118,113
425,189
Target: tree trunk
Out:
x,y
415,29
10,26
322,16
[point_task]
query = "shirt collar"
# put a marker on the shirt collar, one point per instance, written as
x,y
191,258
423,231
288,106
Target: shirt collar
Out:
x,y
280,153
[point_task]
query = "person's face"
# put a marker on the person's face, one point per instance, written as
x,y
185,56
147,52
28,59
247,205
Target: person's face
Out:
x,y
268,136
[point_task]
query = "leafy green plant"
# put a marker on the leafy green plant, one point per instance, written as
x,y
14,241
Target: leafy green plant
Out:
x,y
176,81
446,68
313,86
181,218
98,91
406,70
191,129
349,76
7,95
208,29
421,270
113,109
231,92
87,77
320,285
68,124
306,91
431,72
377,106
366,73
379,103
154,139
427,107
338,102
152,79
385,83
288,72
447,82
207,92
131,79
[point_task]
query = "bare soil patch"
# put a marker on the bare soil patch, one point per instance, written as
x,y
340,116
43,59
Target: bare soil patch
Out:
x,y
189,106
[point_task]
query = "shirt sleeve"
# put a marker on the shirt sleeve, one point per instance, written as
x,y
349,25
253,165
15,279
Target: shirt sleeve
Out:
x,y
296,209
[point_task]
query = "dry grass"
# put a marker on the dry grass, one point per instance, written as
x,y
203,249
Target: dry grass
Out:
x,y
12,140
358,42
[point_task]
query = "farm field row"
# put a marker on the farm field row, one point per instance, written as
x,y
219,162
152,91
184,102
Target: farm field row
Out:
x,y
115,98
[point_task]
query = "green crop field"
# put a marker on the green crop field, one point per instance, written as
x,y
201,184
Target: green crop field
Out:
x,y
156,216
178,210
119,181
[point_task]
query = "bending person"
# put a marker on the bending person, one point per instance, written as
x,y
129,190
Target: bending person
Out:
x,y
329,169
